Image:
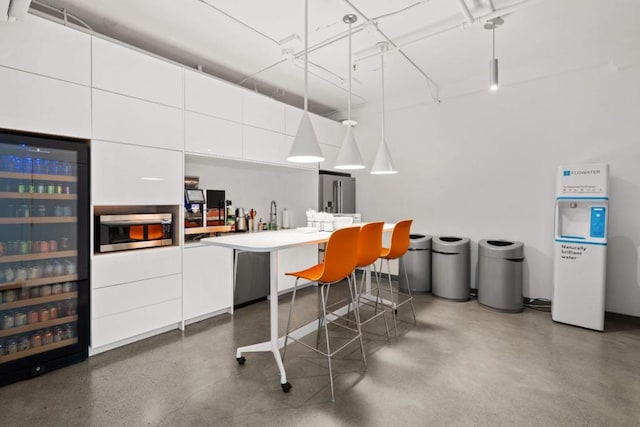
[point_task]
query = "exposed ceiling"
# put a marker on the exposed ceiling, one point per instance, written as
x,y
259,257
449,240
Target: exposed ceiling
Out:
x,y
444,53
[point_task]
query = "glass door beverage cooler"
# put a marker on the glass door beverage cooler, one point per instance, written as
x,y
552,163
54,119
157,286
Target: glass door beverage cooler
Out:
x,y
44,254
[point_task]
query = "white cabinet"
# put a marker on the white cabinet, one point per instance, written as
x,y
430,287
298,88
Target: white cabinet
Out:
x,y
123,119
207,282
127,311
212,136
46,48
121,267
130,296
263,112
292,117
213,97
40,104
122,70
123,174
263,145
295,259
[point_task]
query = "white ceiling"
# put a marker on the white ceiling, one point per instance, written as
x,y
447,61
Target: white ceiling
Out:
x,y
238,41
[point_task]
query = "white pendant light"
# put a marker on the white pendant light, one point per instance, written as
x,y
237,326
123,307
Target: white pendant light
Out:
x,y
305,148
491,24
383,165
349,157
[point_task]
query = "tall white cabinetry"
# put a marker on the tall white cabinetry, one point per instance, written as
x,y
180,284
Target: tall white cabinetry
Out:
x,y
136,157
45,77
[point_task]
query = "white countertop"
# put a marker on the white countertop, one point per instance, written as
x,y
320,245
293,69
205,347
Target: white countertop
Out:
x,y
266,241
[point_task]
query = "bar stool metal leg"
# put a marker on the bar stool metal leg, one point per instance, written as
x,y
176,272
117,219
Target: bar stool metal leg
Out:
x,y
393,303
286,336
406,276
326,334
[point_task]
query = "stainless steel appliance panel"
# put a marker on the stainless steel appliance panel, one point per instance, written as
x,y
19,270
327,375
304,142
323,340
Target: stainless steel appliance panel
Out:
x,y
251,277
337,194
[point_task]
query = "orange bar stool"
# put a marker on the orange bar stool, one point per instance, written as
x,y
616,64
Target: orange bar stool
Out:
x,y
369,248
340,259
399,246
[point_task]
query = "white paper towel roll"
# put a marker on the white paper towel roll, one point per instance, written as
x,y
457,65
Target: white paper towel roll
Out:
x,y
285,218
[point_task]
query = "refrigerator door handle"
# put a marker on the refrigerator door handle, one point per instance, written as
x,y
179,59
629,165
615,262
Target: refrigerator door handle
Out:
x,y
339,210
334,208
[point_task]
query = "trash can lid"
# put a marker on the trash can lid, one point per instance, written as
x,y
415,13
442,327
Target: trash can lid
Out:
x,y
419,241
450,244
497,248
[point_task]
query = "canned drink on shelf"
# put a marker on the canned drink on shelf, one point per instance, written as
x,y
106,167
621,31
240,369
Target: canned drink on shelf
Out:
x,y
20,319
67,211
10,295
32,317
43,315
8,321
57,334
12,346
36,340
24,293
53,312
45,290
47,337
23,343
67,287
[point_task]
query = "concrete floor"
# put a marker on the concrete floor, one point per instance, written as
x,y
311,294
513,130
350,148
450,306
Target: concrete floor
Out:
x,y
461,365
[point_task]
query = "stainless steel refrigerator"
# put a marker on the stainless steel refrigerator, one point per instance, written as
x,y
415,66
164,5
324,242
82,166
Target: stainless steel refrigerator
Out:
x,y
337,193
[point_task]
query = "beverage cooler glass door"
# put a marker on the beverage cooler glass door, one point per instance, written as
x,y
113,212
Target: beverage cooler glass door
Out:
x,y
44,254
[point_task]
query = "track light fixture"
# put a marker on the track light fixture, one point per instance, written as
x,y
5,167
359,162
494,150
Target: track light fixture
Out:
x,y
492,24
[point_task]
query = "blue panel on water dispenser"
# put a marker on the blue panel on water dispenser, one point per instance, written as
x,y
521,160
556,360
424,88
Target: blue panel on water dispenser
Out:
x,y
598,221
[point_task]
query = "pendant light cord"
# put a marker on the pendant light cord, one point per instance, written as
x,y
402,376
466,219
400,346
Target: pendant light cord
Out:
x,y
494,40
382,48
350,66
306,54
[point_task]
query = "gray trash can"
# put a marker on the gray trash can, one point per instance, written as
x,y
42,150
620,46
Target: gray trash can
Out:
x,y
451,263
500,274
417,262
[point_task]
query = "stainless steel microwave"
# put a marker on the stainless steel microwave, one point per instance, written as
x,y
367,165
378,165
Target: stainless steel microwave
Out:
x,y
133,231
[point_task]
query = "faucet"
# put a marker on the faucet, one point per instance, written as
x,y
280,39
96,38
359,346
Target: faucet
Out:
x,y
273,216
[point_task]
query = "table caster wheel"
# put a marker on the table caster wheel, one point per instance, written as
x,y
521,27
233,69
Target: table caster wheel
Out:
x,y
241,360
286,387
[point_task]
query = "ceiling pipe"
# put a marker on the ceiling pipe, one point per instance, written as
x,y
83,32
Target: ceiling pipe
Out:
x,y
498,13
430,82
465,11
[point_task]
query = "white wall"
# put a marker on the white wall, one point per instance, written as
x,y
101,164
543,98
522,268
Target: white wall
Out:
x,y
255,185
483,165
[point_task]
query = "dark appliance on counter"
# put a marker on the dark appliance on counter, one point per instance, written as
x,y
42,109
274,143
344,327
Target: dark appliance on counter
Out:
x,y
216,207
337,192
44,254
133,231
252,275
194,204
